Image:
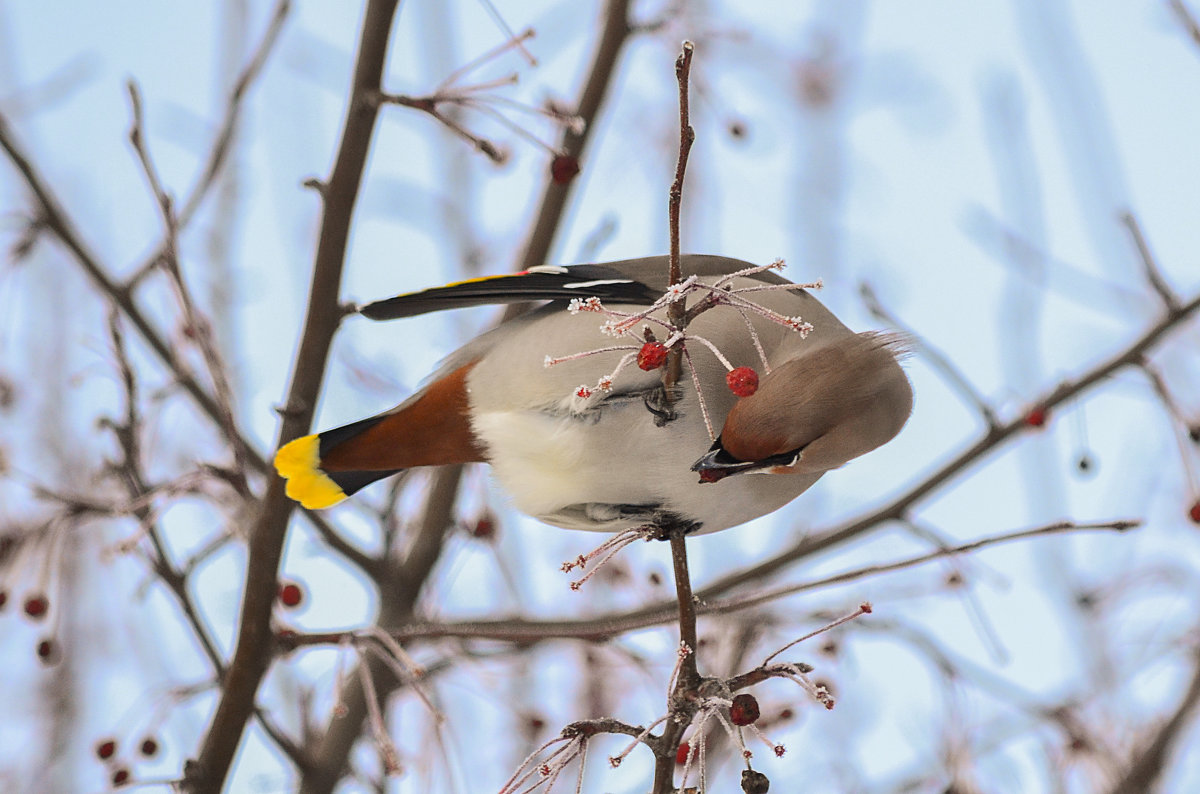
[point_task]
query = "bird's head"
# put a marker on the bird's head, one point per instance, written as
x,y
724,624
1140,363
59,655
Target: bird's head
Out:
x,y
816,411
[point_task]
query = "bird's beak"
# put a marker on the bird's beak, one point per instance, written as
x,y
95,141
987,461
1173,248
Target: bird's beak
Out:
x,y
717,464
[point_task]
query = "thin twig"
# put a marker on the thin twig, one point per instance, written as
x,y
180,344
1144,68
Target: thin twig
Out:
x,y
218,153
128,433
1150,267
680,698
574,139
688,674
197,326
1187,19
56,220
937,359
1060,527
677,309
601,629
862,610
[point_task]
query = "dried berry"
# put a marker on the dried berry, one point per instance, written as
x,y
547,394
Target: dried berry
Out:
x,y
744,710
1036,417
36,606
149,746
106,749
755,782
47,651
563,168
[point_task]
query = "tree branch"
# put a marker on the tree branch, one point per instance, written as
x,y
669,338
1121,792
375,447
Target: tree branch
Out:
x,y
255,641
1149,765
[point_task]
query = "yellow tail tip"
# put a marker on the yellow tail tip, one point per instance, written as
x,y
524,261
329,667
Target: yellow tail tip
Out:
x,y
299,462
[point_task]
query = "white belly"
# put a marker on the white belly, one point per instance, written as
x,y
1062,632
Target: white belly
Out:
x,y
564,470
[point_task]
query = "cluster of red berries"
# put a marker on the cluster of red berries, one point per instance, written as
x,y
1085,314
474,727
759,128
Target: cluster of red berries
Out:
x,y
106,750
742,381
36,608
742,711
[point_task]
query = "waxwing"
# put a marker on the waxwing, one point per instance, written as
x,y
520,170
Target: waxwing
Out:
x,y
567,404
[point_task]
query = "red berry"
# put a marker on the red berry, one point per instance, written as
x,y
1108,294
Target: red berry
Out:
x,y
681,755
149,746
290,594
1036,416
651,356
563,168
742,381
120,777
47,651
484,528
106,749
36,606
744,710
1194,512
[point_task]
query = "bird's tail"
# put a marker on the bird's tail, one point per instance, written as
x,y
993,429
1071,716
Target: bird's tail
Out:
x,y
432,428
303,462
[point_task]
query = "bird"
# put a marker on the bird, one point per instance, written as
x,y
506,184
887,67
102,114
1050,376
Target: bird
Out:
x,y
568,405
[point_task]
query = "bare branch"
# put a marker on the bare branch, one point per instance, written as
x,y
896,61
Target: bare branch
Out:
x,y
1187,19
677,309
196,326
1151,760
1150,267
57,221
255,641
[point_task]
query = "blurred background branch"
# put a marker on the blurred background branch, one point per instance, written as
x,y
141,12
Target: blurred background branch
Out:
x,y
173,622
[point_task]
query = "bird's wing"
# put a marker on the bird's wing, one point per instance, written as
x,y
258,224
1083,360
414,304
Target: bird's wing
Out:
x,y
634,281
542,283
